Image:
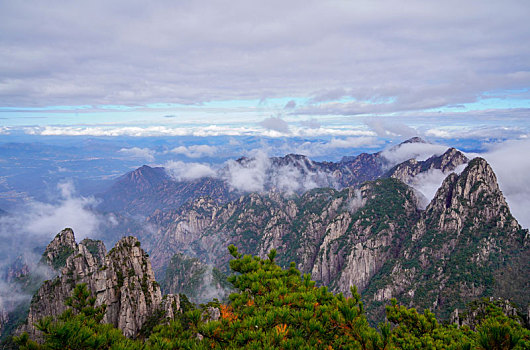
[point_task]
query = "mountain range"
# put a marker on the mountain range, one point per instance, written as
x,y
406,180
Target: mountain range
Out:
x,y
359,221
146,189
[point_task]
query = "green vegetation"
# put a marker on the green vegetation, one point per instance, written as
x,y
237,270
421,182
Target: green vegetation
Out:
x,y
59,260
189,276
93,247
277,308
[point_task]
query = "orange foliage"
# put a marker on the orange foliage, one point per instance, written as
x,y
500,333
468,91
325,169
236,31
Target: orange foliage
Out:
x,y
281,329
226,313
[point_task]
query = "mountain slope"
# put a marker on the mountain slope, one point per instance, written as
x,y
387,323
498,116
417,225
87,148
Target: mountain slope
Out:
x,y
147,189
374,237
301,228
459,247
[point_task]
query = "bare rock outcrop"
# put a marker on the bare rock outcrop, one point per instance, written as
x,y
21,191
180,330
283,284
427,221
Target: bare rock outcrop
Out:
x,y
121,279
447,162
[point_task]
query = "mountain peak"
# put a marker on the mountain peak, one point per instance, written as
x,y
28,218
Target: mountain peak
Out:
x,y
474,193
447,162
123,280
60,248
414,139
478,177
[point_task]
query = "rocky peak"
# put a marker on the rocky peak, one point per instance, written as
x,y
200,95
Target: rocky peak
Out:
x,y
465,245
134,294
409,141
297,160
475,190
478,180
122,279
146,176
96,248
448,161
414,139
62,246
406,171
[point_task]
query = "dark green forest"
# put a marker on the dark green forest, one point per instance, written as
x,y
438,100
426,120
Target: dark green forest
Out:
x,y
275,308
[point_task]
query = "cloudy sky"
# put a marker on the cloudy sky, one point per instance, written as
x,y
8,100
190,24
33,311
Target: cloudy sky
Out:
x,y
272,68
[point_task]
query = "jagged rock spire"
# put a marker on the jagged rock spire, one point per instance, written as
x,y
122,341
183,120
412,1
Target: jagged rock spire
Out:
x,y
122,279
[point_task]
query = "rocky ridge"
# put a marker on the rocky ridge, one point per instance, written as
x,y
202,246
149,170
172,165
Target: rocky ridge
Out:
x,y
147,189
121,279
374,237
447,162
458,248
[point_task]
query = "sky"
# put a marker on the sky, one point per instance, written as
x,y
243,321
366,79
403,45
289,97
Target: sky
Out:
x,y
299,68
194,84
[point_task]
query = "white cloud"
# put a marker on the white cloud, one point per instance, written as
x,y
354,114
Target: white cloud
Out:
x,y
181,171
275,124
356,202
351,142
427,183
199,130
196,130
36,223
476,132
318,149
250,174
39,220
385,128
511,163
195,151
406,151
71,211
136,152
258,173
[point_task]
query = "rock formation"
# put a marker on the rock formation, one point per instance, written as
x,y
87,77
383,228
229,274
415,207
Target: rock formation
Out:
x,y
461,247
447,162
122,279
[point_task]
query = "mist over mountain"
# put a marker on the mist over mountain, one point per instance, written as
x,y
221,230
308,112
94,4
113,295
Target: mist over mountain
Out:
x,y
389,222
285,175
147,189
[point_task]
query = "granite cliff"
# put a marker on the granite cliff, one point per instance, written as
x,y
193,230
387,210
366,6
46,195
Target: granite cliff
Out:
x,y
121,279
463,246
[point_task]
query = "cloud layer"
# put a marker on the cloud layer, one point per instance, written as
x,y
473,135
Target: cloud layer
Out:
x,y
181,171
25,233
419,151
140,153
510,162
349,58
195,151
259,173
